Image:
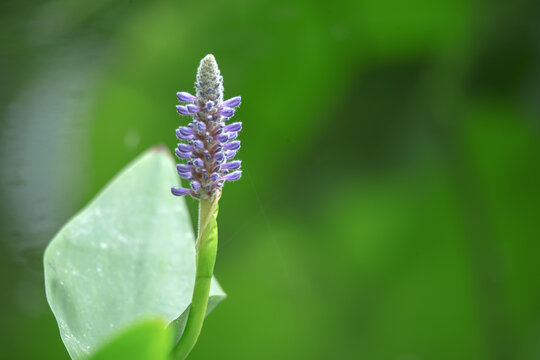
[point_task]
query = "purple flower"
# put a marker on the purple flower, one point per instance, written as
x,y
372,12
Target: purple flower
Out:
x,y
219,156
182,110
230,154
186,97
195,185
201,126
181,136
183,168
227,112
185,130
178,191
232,102
209,140
233,176
233,165
192,109
182,155
185,148
198,163
198,144
209,105
222,138
233,145
237,126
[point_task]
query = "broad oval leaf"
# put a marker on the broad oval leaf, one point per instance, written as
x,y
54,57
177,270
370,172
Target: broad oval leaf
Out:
x,y
129,255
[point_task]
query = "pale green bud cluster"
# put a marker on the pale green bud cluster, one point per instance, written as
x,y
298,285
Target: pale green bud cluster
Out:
x,y
209,84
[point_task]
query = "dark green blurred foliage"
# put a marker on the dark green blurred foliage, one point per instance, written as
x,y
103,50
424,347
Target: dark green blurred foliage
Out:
x,y
389,207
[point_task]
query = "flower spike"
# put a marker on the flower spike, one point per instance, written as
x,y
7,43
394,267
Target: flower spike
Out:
x,y
210,146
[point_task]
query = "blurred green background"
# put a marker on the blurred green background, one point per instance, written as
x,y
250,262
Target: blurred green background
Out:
x,y
389,207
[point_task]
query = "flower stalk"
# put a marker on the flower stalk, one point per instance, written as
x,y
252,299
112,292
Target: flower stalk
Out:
x,y
206,248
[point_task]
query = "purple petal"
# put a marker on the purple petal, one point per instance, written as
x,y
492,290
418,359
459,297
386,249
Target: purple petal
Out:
x,y
219,156
214,177
178,191
233,165
183,168
182,155
185,175
201,126
233,176
233,135
222,138
195,185
198,163
237,126
209,105
227,112
182,136
185,130
230,154
182,110
232,102
192,109
185,148
198,144
186,97
234,145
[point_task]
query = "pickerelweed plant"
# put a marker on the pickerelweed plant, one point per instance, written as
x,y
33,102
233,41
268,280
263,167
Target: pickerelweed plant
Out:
x,y
211,143
208,148
124,277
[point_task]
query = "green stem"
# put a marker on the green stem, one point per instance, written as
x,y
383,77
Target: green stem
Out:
x,y
206,249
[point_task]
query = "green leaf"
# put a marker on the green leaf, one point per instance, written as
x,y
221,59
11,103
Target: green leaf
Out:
x,y
147,340
129,255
